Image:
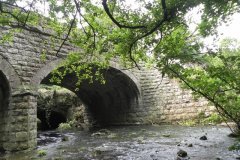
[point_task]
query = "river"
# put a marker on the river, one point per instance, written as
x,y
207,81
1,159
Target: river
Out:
x,y
133,143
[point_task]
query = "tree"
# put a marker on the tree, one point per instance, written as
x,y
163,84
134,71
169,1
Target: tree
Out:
x,y
215,76
156,32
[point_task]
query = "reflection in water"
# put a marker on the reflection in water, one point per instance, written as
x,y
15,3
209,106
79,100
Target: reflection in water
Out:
x,y
135,142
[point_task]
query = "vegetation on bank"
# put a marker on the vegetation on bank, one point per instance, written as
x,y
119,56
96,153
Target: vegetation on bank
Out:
x,y
202,119
41,153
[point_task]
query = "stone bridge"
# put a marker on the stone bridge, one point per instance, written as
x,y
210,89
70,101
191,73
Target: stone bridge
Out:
x,y
129,96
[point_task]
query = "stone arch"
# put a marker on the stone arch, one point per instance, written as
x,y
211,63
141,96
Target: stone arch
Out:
x,y
8,82
11,75
48,68
109,103
44,71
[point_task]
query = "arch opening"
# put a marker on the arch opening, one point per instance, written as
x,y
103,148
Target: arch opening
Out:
x,y
57,105
107,104
4,100
51,122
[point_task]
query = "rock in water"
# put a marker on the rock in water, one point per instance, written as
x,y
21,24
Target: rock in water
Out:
x,y
233,135
190,145
203,138
182,153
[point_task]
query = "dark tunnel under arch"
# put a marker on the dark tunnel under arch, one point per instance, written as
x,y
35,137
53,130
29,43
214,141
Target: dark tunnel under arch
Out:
x,y
4,100
110,103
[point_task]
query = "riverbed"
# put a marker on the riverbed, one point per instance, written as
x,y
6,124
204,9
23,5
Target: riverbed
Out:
x,y
133,143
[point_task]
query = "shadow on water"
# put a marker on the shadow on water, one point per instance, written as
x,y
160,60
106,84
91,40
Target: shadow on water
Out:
x,y
48,137
133,142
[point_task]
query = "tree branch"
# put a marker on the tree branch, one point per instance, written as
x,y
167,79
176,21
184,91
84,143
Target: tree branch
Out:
x,y
69,31
93,29
105,6
28,14
160,23
22,25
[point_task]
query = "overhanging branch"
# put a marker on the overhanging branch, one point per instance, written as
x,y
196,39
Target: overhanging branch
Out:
x,y
105,6
157,26
17,23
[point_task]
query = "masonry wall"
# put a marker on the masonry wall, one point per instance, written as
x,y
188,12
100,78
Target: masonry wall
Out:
x,y
28,52
166,102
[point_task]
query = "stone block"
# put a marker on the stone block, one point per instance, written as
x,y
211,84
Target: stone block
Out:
x,y
18,112
10,146
21,119
22,146
17,127
22,105
21,136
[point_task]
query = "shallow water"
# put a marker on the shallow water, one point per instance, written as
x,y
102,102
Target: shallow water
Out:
x,y
133,143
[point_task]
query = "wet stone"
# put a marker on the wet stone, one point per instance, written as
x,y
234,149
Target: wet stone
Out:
x,y
203,138
65,138
190,145
182,153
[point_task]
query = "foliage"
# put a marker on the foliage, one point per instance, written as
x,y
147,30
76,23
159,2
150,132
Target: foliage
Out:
x,y
64,126
212,119
235,146
188,123
202,119
91,71
116,30
157,32
214,76
41,153
68,125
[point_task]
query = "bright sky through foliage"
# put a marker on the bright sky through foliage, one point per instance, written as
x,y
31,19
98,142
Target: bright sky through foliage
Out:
x,y
230,30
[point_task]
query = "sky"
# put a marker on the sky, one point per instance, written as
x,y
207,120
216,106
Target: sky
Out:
x,y
229,30
233,29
